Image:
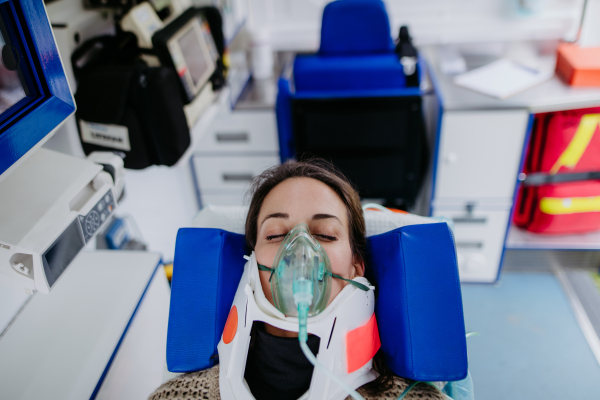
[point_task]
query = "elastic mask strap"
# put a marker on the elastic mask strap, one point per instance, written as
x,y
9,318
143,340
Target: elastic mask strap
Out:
x,y
265,268
358,285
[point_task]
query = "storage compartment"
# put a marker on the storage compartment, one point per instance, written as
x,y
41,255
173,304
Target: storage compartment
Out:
x,y
241,132
479,154
479,236
225,173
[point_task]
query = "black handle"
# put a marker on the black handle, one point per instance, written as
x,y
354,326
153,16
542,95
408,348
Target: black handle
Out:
x,y
540,178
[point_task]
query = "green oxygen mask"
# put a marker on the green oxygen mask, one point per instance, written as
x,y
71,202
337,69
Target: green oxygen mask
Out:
x,y
301,273
301,268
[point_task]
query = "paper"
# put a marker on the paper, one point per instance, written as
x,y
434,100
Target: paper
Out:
x,y
503,78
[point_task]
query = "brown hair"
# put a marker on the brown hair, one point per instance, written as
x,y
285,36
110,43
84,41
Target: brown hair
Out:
x,y
320,170
325,172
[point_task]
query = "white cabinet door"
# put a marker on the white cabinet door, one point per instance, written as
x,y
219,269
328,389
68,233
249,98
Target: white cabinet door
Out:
x,y
479,154
479,239
226,173
241,132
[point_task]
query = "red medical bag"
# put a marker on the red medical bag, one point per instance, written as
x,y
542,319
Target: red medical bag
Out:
x,y
559,195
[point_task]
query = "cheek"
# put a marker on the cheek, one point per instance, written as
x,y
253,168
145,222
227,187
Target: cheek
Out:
x,y
340,257
265,255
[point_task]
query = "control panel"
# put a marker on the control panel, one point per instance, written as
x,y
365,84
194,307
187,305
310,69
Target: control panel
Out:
x,y
97,215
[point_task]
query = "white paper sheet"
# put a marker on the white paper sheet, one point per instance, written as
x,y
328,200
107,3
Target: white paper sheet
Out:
x,y
503,78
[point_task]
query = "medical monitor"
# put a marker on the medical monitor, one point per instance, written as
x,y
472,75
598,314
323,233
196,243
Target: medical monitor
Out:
x,y
34,94
187,45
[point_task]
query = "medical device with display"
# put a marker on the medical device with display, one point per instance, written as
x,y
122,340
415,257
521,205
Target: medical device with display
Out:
x,y
52,206
186,44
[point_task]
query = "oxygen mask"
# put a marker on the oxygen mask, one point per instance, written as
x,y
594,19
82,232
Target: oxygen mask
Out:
x,y
301,285
301,273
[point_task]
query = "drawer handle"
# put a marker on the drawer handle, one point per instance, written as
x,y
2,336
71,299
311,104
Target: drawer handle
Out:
x,y
233,137
469,245
240,177
469,220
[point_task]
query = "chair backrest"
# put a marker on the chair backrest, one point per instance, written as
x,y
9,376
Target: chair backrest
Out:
x,y
419,306
352,27
350,103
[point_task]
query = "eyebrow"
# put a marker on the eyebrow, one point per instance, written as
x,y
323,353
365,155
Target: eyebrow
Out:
x,y
315,217
325,216
275,215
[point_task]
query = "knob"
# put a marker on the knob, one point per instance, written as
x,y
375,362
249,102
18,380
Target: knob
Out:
x,y
451,158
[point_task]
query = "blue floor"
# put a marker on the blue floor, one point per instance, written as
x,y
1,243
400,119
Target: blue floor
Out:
x,y
530,345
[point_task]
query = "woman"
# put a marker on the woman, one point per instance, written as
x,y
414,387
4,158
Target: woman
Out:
x,y
315,194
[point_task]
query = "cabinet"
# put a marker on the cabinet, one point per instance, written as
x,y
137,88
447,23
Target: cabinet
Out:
x,y
235,148
479,154
480,144
476,170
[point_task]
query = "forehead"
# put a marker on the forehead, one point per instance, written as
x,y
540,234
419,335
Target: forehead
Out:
x,y
303,198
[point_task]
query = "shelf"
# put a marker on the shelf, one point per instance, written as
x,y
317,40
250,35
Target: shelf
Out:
x,y
522,240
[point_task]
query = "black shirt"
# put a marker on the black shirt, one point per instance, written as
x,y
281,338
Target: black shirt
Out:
x,y
277,368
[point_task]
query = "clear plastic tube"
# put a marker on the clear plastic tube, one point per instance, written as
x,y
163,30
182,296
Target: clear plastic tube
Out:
x,y
403,395
313,360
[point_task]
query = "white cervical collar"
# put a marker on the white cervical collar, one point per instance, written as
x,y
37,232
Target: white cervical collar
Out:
x,y
351,309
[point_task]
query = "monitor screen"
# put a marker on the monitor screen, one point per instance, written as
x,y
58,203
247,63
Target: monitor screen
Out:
x,y
193,54
58,256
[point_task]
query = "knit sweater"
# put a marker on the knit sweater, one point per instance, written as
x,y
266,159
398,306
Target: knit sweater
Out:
x,y
204,385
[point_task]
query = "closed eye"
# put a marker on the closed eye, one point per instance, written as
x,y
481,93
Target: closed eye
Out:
x,y
326,237
273,237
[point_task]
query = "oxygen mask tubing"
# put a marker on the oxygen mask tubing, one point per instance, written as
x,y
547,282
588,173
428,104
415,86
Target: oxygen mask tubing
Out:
x,y
301,285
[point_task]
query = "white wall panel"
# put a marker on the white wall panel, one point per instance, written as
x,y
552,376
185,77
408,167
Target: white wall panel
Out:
x,y
295,24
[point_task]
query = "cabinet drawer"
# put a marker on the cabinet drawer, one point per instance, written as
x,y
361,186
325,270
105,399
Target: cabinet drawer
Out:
x,y
241,132
225,173
479,238
479,154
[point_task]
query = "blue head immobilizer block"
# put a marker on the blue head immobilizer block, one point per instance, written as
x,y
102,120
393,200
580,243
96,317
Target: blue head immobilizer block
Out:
x,y
419,305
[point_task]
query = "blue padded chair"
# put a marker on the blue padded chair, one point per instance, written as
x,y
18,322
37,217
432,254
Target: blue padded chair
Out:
x,y
350,103
418,308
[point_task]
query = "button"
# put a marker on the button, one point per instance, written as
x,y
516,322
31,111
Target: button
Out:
x,y
100,205
102,217
107,198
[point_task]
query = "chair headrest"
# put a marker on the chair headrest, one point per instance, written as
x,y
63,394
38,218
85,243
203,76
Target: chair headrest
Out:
x,y
419,305
355,27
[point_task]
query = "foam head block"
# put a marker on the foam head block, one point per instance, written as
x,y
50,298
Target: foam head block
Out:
x,y
355,27
207,269
419,304
418,309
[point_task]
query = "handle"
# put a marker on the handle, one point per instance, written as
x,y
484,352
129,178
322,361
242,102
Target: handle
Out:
x,y
469,220
540,178
469,245
237,177
228,137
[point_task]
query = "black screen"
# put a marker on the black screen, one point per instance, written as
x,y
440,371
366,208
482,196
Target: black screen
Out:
x,y
58,256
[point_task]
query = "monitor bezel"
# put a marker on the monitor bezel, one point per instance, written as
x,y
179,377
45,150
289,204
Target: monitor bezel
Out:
x,y
36,122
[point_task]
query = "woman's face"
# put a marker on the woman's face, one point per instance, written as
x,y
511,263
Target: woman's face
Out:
x,y
312,202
